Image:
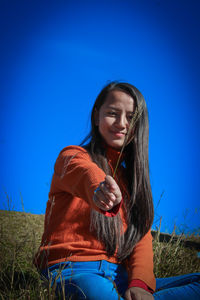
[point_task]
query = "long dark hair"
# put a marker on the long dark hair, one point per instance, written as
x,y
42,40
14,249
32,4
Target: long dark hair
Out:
x,y
139,207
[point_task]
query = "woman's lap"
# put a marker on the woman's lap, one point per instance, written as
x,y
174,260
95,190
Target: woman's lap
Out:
x,y
102,280
91,287
90,280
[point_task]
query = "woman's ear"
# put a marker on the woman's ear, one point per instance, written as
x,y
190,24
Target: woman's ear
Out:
x,y
96,117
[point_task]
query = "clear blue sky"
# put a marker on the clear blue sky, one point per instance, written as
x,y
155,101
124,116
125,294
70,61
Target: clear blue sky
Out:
x,y
56,56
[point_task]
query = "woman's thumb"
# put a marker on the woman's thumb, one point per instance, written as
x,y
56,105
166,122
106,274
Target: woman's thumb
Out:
x,y
109,180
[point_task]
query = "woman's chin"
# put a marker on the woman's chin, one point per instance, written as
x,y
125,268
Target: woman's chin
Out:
x,y
116,145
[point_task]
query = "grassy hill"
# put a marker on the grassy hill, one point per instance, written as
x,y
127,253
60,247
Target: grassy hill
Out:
x,y
20,235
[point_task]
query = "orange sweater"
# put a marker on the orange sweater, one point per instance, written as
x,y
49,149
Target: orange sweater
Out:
x,y
67,234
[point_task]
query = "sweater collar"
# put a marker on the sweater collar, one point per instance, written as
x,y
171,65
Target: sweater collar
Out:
x,y
113,155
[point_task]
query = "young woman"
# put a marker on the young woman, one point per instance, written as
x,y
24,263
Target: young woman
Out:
x,y
97,242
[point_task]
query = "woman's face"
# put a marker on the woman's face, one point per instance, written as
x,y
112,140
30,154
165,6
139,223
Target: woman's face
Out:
x,y
114,116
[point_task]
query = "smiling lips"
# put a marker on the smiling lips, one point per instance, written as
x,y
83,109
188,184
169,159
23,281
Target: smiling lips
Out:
x,y
119,134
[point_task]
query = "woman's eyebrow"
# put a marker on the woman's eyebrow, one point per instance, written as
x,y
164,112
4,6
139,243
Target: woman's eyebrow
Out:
x,y
118,109
113,107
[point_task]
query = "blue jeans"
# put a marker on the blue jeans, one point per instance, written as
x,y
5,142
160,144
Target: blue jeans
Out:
x,y
102,280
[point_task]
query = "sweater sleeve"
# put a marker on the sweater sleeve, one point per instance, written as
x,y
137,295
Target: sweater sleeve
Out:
x,y
141,284
76,174
140,262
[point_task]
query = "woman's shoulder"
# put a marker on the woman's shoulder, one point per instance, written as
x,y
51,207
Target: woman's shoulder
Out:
x,y
71,155
74,150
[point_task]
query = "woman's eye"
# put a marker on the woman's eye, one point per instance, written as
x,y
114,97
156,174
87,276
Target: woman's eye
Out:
x,y
130,118
112,113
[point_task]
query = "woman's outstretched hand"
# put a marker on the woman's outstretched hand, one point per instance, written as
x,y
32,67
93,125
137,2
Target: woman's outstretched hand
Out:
x,y
136,293
107,194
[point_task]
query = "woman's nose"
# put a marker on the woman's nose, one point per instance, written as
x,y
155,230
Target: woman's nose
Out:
x,y
121,122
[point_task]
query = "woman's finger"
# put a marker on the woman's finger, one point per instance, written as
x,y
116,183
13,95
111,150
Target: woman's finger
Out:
x,y
113,187
105,190
102,201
